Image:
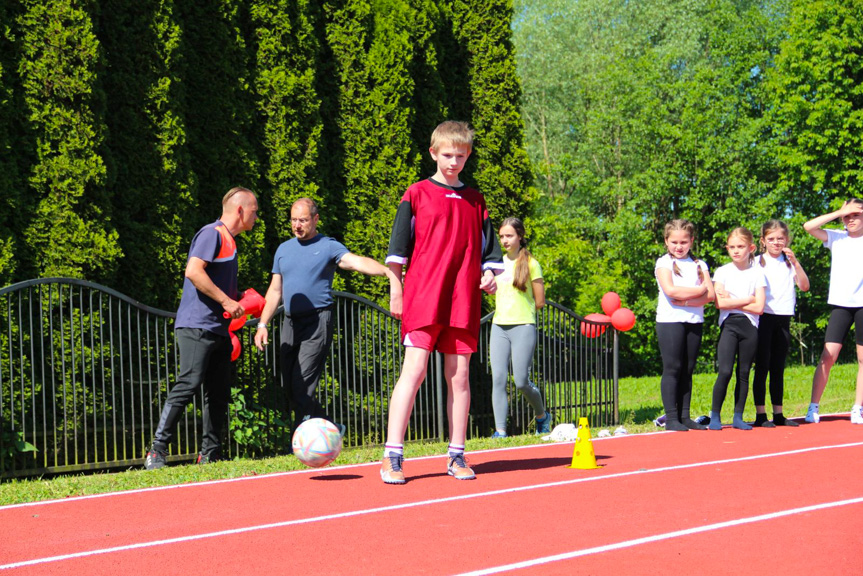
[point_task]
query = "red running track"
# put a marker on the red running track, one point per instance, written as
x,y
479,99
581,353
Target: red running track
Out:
x,y
785,500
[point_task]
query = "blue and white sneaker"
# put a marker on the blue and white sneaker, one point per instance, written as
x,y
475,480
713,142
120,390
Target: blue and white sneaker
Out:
x,y
544,426
498,435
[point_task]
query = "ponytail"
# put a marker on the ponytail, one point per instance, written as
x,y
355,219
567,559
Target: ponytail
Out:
x,y
521,270
676,269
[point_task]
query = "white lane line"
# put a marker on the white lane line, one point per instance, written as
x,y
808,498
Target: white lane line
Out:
x,y
269,475
659,537
408,505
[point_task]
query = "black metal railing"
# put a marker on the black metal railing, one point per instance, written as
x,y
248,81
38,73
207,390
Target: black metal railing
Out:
x,y
84,371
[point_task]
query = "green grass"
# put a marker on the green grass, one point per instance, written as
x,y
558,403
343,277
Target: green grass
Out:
x,y
640,402
639,405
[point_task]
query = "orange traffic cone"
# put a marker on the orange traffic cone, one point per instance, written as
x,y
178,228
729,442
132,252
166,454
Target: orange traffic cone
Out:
x,y
583,457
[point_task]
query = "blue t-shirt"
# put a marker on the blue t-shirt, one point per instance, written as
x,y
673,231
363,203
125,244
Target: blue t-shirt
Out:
x,y
215,245
307,269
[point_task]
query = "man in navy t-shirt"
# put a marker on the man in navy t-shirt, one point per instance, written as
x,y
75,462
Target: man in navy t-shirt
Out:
x,y
209,290
303,271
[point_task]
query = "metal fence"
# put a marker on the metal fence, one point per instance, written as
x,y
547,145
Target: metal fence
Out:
x,y
84,371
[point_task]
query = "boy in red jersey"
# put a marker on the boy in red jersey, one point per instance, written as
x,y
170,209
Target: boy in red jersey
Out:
x,y
443,233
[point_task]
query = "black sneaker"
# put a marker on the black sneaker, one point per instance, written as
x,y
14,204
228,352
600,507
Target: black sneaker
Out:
x,y
155,460
206,458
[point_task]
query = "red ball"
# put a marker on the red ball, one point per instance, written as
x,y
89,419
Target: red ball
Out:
x,y
592,330
623,319
610,303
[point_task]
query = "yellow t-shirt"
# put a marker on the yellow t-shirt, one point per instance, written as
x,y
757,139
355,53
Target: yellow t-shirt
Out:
x,y
512,306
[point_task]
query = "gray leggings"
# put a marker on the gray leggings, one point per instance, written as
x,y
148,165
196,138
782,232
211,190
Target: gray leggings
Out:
x,y
517,341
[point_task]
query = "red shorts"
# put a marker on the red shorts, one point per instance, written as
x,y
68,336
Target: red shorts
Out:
x,y
445,339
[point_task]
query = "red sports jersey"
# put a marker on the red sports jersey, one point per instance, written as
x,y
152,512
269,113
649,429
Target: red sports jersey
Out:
x,y
445,237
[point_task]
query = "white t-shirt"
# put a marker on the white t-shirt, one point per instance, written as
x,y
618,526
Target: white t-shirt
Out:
x,y
739,284
846,269
688,278
781,289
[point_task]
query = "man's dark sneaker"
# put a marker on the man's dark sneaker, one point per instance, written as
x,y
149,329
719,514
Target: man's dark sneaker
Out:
x,y
206,459
155,459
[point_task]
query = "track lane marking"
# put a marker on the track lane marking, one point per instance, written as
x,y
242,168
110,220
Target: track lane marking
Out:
x,y
659,537
405,506
270,475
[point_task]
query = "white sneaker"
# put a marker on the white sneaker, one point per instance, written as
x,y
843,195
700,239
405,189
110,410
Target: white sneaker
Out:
x,y
812,415
857,415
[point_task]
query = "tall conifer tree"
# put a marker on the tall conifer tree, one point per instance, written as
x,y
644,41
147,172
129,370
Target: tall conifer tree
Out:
x,y
372,44
288,108
71,234
149,166
503,170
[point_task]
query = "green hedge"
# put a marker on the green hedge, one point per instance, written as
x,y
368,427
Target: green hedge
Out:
x,y
122,124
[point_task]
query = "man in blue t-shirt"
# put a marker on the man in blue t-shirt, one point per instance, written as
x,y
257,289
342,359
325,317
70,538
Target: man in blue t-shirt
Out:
x,y
303,271
209,291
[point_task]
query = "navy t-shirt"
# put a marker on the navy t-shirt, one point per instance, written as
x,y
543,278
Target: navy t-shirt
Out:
x,y
215,245
307,269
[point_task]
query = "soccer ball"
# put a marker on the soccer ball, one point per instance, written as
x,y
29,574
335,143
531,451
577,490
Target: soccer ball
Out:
x,y
316,442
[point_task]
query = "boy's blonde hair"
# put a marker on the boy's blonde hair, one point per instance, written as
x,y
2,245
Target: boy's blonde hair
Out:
x,y
453,133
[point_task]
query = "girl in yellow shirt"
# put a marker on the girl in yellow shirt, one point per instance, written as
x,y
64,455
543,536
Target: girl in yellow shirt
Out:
x,y
520,293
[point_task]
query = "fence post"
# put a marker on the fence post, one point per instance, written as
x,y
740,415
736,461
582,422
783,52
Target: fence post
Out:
x,y
614,376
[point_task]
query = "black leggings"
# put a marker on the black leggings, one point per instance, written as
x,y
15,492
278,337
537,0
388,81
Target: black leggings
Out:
x,y
774,340
678,344
738,339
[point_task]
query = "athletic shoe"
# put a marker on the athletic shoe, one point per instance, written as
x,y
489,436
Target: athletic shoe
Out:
x,y
206,458
544,426
457,468
812,415
692,424
761,421
786,422
342,429
155,459
391,469
660,421
498,435
780,420
857,415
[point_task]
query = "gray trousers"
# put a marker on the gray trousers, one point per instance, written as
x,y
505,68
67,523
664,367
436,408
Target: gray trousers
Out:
x,y
305,344
516,342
